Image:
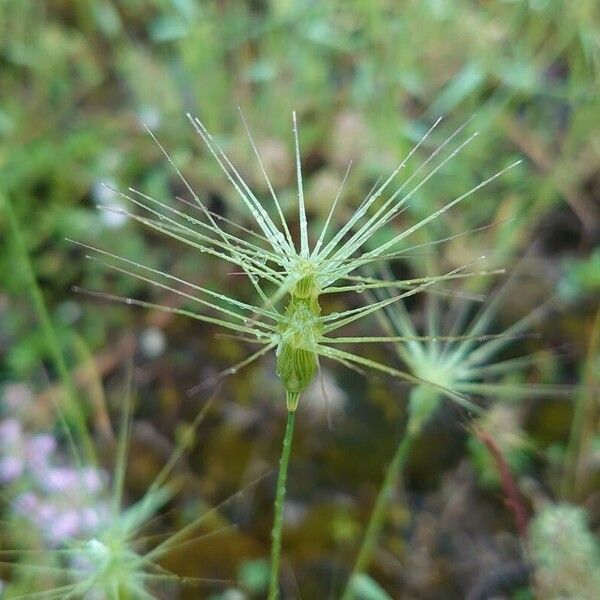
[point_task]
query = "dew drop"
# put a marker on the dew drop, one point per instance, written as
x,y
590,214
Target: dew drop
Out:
x,y
360,288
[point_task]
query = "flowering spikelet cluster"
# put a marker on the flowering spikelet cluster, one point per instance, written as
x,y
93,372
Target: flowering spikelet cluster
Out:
x,y
290,278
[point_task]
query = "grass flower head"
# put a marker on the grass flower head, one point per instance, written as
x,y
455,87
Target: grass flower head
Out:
x,y
456,356
290,278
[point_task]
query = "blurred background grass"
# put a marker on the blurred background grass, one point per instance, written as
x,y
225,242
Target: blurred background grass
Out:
x,y
78,82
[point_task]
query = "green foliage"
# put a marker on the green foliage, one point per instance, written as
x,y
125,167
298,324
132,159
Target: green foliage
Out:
x,y
254,576
581,278
366,588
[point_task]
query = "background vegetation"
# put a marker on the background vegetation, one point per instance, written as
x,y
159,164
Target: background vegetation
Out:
x,y
78,80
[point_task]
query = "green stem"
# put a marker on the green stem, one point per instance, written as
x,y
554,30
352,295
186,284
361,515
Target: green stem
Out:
x,y
72,413
375,524
584,419
279,499
123,593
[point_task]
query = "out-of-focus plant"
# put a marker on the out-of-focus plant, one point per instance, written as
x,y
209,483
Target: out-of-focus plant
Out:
x,y
454,357
565,554
581,277
85,541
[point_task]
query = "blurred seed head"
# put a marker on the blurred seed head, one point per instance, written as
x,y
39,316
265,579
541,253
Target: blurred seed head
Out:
x,y
565,554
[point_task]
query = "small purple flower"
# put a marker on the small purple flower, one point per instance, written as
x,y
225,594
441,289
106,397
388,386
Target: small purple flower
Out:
x,y
11,468
45,515
41,447
27,503
92,480
64,502
12,464
66,525
59,480
93,517
11,432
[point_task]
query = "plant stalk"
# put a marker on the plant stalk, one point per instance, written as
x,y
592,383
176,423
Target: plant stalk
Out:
x,y
584,420
279,500
375,524
71,413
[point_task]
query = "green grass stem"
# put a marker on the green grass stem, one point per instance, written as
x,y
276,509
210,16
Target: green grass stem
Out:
x,y
585,417
279,500
376,519
70,410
